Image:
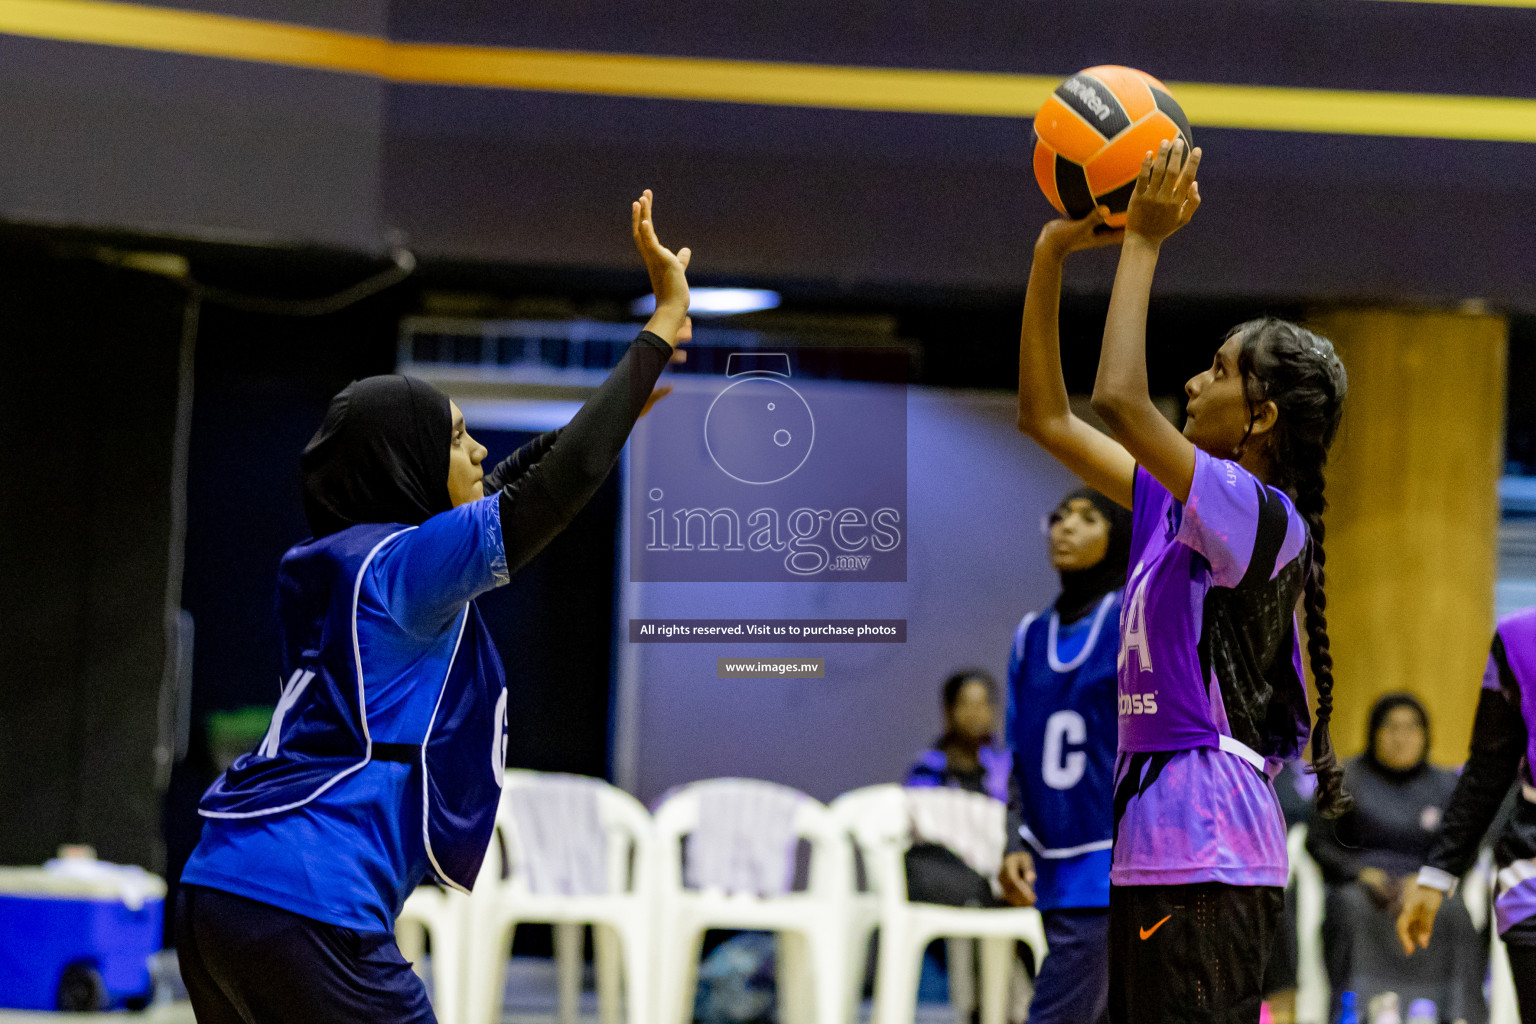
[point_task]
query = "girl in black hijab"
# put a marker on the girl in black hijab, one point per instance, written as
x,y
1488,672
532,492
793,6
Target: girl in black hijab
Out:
x,y
1087,575
383,762
1062,727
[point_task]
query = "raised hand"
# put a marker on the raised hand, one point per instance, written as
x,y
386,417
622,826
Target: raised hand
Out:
x,y
1166,194
667,270
1060,237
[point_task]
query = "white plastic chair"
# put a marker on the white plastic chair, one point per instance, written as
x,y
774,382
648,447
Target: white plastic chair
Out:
x,y
620,917
438,916
814,944
880,821
1312,991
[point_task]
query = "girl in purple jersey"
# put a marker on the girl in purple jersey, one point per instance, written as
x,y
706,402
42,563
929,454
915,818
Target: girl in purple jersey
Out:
x,y
1227,535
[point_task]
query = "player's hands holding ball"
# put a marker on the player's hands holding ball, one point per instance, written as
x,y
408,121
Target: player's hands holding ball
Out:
x,y
668,272
1061,237
1166,194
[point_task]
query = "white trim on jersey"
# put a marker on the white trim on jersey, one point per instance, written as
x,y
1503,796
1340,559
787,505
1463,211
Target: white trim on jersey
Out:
x,y
1018,635
1062,854
426,802
1057,665
362,704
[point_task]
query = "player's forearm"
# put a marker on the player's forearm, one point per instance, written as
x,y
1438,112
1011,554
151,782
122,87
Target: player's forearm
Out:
x,y
667,321
1498,742
540,504
1042,387
1120,391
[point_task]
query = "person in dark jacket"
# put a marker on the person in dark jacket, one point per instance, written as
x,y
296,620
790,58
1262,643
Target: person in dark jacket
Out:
x,y
1369,858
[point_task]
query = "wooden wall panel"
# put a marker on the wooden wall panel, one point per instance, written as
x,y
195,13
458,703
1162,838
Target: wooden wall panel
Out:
x,y
1412,535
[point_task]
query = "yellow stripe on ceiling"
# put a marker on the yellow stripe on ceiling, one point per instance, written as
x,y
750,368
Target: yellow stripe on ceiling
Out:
x,y
1471,3
192,32
900,90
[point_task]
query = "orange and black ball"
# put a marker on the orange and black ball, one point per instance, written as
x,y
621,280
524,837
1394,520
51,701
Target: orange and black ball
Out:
x,y
1094,130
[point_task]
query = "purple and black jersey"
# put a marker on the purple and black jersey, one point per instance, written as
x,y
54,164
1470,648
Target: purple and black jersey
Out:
x,y
1211,697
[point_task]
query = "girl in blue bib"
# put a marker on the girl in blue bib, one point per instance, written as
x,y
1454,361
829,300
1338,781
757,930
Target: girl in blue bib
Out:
x,y
383,761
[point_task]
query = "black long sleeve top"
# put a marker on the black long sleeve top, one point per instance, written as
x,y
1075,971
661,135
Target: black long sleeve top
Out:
x,y
1496,760
548,480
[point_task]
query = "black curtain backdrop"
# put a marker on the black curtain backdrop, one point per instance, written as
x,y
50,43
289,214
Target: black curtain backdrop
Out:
x,y
88,387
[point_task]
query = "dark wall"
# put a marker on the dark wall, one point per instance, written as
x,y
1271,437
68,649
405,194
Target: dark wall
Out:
x,y
864,201
872,200
194,147
88,386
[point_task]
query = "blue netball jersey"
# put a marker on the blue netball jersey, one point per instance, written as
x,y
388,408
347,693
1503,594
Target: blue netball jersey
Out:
x,y
1062,725
383,654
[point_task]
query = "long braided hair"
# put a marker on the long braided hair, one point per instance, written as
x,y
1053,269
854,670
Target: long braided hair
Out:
x,y
1299,371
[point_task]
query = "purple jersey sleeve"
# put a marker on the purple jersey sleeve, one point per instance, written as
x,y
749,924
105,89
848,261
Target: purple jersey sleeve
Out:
x,y
1231,518
1149,500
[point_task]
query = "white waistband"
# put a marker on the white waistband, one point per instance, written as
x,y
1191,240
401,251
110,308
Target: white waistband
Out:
x,y
1247,753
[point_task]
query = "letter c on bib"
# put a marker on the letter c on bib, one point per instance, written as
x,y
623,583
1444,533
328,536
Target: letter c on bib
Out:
x,y
1064,772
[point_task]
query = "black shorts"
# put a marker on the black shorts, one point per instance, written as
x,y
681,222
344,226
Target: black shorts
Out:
x,y
1189,954
246,962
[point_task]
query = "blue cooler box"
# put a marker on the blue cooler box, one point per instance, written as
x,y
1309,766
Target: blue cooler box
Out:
x,y
102,922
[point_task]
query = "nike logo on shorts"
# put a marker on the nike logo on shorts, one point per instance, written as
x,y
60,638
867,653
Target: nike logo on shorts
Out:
x,y
1146,933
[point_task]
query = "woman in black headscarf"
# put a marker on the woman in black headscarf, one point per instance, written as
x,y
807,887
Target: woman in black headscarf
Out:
x,y
383,762
1370,854
1062,727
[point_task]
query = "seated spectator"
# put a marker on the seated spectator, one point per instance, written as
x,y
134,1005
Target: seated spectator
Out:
x,y
1372,854
965,757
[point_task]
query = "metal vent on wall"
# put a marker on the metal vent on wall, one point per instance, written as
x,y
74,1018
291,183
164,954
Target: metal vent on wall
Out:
x,y
563,354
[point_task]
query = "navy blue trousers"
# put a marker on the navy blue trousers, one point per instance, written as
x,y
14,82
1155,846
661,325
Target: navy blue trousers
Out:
x,y
246,962
1072,986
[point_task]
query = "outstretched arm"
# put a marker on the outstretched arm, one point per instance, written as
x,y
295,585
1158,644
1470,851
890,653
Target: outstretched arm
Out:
x,y
1164,200
548,481
1043,411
